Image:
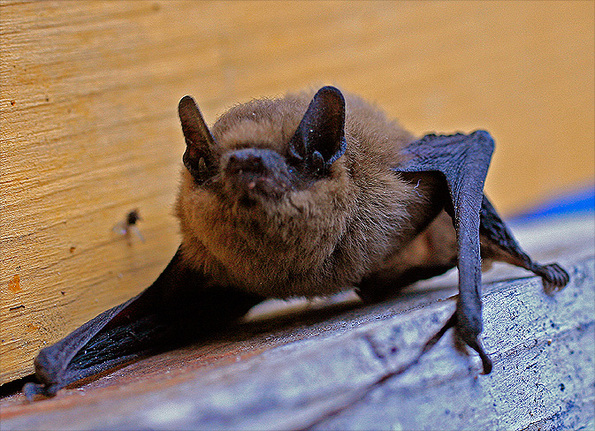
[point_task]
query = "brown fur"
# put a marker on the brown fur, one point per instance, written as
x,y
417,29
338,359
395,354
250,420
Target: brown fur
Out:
x,y
314,241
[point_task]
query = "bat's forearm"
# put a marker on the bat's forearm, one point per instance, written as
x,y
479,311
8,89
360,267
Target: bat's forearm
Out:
x,y
179,306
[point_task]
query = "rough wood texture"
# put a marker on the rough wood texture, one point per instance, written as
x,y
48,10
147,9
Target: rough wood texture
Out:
x,y
323,369
89,129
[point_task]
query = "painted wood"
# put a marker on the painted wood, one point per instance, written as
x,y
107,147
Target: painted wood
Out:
x,y
324,367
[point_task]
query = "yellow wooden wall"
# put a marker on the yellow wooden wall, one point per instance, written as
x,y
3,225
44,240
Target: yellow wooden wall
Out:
x,y
89,129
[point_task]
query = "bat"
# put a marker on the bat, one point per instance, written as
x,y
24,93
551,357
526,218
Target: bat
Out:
x,y
305,195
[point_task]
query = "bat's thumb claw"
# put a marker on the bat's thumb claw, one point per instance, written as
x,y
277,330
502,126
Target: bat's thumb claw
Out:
x,y
486,362
469,338
32,390
469,335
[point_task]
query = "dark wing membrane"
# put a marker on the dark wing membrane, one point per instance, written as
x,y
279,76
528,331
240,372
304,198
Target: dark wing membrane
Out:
x,y
463,160
180,305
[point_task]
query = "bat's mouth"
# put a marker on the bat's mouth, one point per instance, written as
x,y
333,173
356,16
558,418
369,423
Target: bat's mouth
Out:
x,y
256,174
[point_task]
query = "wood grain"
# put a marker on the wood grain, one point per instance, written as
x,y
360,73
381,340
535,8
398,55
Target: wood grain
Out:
x,y
89,129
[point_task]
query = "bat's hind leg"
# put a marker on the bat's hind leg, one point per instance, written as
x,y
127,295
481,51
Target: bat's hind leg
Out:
x,y
498,243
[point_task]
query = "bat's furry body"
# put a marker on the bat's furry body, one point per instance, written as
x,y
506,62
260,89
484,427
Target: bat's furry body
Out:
x,y
305,195
312,240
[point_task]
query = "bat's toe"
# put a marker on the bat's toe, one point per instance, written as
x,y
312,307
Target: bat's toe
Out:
x,y
555,278
471,339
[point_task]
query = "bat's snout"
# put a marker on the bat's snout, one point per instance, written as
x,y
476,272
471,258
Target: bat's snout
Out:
x,y
256,170
248,160
254,161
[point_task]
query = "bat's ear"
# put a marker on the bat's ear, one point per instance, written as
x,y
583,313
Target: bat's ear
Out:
x,y
198,158
320,138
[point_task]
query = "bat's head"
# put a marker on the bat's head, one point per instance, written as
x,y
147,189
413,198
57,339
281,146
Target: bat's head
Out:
x,y
256,163
279,193
267,180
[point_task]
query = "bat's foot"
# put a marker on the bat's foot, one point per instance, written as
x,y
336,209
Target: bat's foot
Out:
x,y
555,278
463,335
475,344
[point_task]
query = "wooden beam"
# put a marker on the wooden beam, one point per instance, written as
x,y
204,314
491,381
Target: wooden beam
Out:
x,y
89,129
326,367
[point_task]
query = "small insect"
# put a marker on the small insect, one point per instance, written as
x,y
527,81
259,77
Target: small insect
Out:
x,y
306,195
128,226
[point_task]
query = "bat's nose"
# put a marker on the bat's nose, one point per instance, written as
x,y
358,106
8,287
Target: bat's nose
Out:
x,y
242,161
253,160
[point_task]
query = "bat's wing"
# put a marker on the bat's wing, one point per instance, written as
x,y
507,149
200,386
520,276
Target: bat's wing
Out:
x,y
181,304
462,161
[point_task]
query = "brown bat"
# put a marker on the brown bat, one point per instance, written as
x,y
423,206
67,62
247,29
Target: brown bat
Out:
x,y
305,195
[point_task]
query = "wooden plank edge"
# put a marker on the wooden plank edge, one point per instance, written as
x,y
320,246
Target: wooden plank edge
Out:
x,y
538,343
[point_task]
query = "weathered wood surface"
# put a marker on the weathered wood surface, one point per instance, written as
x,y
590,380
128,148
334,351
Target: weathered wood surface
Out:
x,y
89,129
320,369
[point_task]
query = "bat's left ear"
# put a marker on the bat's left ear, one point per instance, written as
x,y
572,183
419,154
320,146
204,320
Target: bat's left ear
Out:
x,y
320,138
199,158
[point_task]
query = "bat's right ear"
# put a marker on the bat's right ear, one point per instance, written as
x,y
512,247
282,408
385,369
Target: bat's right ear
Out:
x,y
198,158
320,137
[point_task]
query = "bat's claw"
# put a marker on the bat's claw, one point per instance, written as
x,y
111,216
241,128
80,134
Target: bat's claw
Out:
x,y
555,278
463,335
31,390
475,344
